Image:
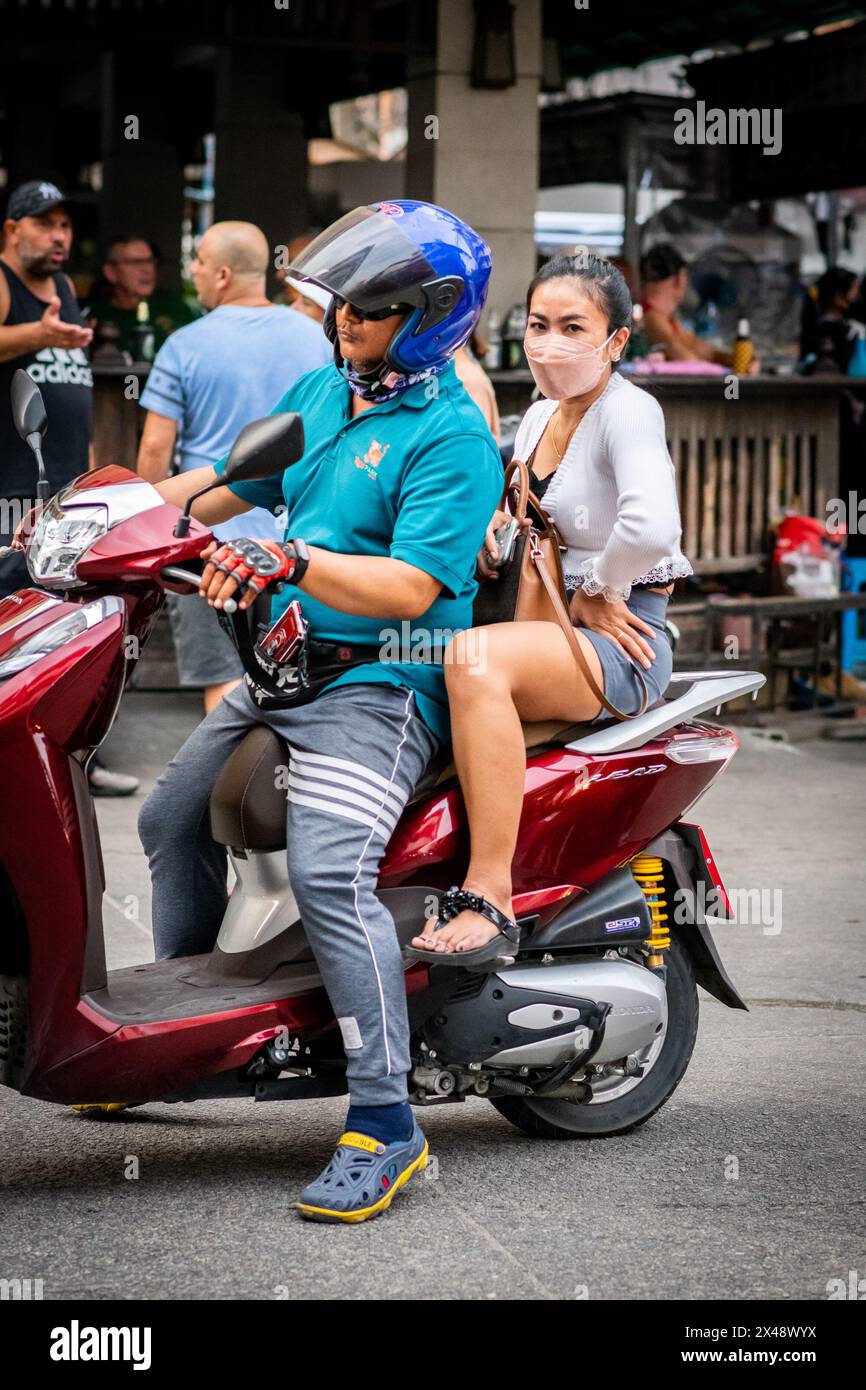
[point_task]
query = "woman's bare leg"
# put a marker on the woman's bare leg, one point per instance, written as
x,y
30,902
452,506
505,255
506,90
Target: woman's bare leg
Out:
x,y
497,677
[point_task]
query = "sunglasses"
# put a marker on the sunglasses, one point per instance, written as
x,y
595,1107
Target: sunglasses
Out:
x,y
374,315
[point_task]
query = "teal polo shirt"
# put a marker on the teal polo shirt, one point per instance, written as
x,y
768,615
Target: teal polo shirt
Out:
x,y
417,478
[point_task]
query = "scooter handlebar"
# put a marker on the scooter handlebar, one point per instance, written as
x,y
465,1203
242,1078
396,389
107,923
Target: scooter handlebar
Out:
x,y
178,575
238,622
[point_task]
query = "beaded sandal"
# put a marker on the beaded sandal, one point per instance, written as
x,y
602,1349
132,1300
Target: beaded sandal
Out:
x,y
458,900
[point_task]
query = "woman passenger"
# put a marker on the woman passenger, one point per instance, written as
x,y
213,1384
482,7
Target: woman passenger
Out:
x,y
598,456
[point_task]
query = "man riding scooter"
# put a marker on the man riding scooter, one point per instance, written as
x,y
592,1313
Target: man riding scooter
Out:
x,y
385,513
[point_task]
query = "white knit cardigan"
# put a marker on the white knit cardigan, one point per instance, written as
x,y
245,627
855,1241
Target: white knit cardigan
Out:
x,y
613,496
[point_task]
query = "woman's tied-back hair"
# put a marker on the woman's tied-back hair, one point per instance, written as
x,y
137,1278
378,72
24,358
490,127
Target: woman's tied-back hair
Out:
x,y
600,281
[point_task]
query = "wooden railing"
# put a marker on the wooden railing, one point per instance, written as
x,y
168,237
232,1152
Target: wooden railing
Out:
x,y
740,464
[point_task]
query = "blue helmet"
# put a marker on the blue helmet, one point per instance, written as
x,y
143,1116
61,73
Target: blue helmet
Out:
x,y
398,254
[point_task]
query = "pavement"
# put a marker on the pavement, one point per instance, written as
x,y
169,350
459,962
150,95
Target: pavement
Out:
x,y
748,1184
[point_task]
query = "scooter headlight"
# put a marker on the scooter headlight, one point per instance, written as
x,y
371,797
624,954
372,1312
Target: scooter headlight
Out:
x,y
60,538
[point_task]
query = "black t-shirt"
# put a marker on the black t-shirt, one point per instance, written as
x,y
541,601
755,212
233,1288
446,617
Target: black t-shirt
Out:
x,y
64,377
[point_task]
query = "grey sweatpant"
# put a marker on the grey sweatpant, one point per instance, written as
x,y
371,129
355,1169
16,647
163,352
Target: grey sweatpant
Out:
x,y
357,753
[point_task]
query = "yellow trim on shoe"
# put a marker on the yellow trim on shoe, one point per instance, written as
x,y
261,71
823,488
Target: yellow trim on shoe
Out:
x,y
101,1107
364,1213
361,1141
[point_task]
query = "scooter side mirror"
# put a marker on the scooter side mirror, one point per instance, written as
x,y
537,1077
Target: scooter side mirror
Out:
x,y
265,447
28,407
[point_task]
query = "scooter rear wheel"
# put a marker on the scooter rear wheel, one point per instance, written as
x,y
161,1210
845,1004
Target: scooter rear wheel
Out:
x,y
625,1106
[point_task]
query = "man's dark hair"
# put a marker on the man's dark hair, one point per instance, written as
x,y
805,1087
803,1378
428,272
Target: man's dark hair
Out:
x,y
659,263
600,281
123,239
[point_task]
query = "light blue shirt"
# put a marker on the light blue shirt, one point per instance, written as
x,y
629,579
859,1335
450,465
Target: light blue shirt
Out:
x,y
217,374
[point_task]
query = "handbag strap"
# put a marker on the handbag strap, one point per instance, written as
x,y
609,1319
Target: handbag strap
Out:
x,y
544,520
516,492
522,499
537,557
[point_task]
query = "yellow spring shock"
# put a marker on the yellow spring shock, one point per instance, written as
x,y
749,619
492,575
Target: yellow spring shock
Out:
x,y
649,874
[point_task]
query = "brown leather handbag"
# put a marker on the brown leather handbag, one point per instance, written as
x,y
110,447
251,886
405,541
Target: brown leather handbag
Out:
x,y
531,587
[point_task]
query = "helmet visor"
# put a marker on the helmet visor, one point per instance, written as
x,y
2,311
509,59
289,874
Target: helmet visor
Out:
x,y
366,259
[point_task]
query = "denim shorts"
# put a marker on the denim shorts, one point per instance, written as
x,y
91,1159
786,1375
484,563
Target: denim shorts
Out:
x,y
621,685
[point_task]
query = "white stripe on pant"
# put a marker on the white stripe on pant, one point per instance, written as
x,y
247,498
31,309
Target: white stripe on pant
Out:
x,y
340,816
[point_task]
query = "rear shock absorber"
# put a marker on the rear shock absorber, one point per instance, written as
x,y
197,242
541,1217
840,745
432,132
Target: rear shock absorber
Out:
x,y
649,874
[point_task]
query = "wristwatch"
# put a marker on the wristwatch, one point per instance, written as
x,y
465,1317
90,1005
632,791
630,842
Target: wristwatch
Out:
x,y
302,558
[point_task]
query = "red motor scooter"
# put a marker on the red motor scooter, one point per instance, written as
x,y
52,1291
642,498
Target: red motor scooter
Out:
x,y
587,1031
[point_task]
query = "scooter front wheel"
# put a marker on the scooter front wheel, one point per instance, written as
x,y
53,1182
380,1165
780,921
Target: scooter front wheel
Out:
x,y
620,1104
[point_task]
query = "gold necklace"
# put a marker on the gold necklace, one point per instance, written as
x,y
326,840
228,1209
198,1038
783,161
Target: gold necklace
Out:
x,y
560,452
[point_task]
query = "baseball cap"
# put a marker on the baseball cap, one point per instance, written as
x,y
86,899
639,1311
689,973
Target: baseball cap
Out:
x,y
310,291
33,198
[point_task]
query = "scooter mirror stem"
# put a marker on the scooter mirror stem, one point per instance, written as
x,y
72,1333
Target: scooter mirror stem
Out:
x,y
43,487
262,449
181,528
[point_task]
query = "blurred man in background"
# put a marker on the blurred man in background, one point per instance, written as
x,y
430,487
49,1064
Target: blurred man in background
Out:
x,y
208,381
308,299
128,280
42,330
467,363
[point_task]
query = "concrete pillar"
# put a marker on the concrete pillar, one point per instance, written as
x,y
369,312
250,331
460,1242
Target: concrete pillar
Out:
x,y
142,179
475,151
261,152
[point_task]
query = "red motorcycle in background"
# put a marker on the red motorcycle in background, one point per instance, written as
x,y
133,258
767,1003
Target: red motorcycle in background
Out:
x,y
587,1031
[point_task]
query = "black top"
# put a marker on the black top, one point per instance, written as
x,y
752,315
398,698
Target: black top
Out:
x,y
539,485
64,377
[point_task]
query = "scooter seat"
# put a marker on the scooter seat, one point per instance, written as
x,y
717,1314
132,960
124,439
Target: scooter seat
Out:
x,y
248,802
547,733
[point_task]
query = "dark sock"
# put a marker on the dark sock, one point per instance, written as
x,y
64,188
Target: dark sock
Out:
x,y
390,1124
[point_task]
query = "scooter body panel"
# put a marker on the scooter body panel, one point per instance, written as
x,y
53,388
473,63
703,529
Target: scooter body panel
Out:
x,y
145,1061
581,818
